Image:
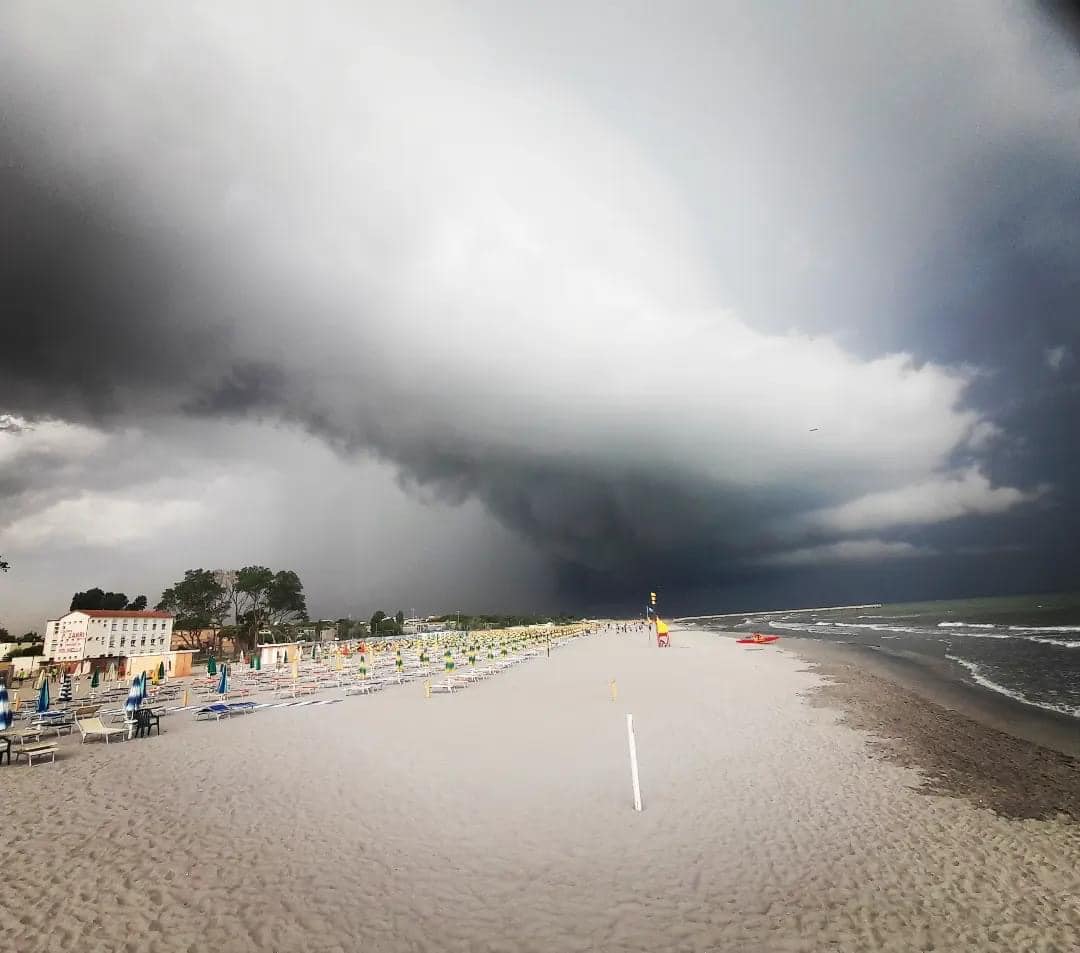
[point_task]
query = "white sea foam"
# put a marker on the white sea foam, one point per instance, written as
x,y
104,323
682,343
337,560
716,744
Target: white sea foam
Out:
x,y
1044,628
981,635
981,679
966,625
1060,644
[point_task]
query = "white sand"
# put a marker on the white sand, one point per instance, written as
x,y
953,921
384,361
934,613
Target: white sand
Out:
x,y
500,819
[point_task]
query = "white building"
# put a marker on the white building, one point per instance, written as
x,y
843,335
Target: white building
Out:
x,y
103,633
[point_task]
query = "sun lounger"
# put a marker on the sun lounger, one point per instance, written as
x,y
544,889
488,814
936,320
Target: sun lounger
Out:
x,y
214,712
94,727
58,721
241,708
363,688
40,749
448,687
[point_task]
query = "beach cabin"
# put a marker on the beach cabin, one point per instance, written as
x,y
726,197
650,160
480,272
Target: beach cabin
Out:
x,y
274,654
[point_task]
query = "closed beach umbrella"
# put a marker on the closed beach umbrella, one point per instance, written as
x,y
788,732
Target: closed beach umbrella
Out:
x,y
295,668
5,709
399,663
363,665
41,680
65,688
223,683
110,675
43,696
161,671
94,679
258,663
241,661
448,661
134,696
211,666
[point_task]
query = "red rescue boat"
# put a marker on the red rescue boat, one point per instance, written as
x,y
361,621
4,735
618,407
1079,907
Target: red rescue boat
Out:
x,y
758,638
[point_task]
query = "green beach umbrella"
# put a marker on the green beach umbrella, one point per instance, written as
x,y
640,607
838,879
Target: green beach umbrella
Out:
x,y
399,663
211,666
448,661
258,663
161,671
94,680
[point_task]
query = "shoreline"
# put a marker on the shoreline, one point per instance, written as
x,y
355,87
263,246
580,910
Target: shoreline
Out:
x,y
925,678
999,753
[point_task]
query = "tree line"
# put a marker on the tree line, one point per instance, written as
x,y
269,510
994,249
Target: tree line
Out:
x,y
98,599
495,621
237,606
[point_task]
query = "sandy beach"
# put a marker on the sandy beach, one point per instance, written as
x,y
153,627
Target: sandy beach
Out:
x,y
500,819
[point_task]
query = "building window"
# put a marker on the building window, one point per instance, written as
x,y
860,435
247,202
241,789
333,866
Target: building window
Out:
x,y
114,627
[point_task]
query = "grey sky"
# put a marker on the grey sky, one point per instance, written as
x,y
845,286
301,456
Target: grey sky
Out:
x,y
537,305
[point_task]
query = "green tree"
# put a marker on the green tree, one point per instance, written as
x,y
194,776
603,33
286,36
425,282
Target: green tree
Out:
x,y
285,600
376,621
137,604
97,599
198,602
251,594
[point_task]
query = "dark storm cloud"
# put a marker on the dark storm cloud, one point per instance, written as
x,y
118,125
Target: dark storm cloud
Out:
x,y
519,279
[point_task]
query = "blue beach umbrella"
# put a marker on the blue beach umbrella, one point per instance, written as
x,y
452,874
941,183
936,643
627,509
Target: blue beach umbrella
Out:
x,y
143,690
43,696
223,684
134,695
5,709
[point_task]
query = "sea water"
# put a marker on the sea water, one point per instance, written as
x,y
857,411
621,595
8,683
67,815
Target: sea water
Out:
x,y
1024,647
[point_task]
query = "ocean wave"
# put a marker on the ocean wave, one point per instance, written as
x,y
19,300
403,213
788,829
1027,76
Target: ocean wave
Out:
x,y
982,635
977,675
1044,628
1057,642
966,625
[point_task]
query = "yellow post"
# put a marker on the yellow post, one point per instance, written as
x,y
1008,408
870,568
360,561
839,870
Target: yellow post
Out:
x,y
427,688
185,697
614,691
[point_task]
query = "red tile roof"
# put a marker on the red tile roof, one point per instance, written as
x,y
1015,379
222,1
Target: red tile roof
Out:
x,y
124,613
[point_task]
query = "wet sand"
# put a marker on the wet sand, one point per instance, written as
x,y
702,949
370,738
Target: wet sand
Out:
x,y
500,819
1011,762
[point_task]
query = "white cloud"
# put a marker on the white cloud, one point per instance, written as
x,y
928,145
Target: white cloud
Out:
x,y
100,521
488,262
1056,357
55,439
934,500
851,550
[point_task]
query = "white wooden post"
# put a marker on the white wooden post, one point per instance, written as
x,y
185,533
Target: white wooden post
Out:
x,y
633,762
